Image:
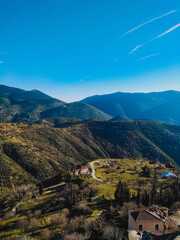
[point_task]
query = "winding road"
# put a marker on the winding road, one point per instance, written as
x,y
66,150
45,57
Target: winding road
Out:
x,y
93,171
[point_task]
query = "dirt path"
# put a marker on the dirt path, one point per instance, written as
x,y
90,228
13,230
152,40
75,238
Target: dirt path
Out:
x,y
176,217
133,235
93,171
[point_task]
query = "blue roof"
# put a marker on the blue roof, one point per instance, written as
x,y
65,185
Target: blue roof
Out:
x,y
168,174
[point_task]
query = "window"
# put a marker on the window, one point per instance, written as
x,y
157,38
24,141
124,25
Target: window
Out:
x,y
157,227
140,227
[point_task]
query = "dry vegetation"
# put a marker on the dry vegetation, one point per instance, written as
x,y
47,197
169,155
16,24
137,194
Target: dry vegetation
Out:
x,y
84,209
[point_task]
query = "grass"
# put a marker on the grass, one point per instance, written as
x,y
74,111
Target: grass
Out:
x,y
127,170
10,233
109,170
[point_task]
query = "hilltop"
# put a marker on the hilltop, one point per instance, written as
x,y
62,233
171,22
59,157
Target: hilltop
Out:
x,y
76,110
17,105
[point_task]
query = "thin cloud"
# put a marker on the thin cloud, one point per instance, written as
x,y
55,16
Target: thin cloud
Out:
x,y
1,62
150,21
159,36
115,60
82,79
149,56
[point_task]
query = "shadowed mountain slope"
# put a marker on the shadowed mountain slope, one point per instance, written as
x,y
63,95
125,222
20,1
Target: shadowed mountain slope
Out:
x,y
161,106
57,121
76,110
17,105
29,152
121,119
20,105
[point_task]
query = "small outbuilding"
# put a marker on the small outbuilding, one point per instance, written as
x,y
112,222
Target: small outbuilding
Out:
x,y
168,174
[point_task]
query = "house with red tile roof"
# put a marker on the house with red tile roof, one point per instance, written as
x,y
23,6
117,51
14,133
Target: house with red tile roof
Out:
x,y
83,170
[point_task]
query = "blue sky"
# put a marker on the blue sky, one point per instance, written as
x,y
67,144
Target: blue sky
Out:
x,y
73,49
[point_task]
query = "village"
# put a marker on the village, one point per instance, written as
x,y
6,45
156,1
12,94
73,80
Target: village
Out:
x,y
146,223
125,192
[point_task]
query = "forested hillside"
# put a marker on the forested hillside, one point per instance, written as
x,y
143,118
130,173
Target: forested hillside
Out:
x,y
30,152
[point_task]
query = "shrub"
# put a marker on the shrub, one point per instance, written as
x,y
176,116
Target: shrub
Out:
x,y
128,206
58,219
112,233
8,215
45,234
21,193
23,224
82,208
74,236
75,224
33,224
37,213
24,238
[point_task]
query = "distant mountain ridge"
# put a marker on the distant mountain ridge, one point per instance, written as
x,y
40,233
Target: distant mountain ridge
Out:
x,y
157,106
17,105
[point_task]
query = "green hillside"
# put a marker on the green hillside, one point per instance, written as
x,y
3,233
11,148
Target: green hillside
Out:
x,y
35,152
17,105
76,110
20,105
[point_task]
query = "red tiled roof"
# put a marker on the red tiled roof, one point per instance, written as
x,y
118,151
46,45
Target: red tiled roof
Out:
x,y
83,168
147,214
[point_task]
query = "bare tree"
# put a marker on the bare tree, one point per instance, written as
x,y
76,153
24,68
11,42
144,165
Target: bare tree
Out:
x,y
75,223
45,234
59,219
74,236
128,206
33,224
23,224
112,233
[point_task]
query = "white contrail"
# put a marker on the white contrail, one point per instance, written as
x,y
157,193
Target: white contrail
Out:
x,y
161,35
136,48
152,20
152,55
168,31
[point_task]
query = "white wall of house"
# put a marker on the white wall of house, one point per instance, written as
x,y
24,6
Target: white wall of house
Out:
x,y
131,223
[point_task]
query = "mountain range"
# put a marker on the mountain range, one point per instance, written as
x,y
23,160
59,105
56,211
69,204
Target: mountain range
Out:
x,y
17,105
41,135
156,106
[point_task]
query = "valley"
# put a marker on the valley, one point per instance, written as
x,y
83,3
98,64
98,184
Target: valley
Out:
x,y
44,144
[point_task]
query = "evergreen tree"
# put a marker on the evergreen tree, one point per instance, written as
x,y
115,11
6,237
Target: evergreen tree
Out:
x,y
138,198
154,190
122,193
146,199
